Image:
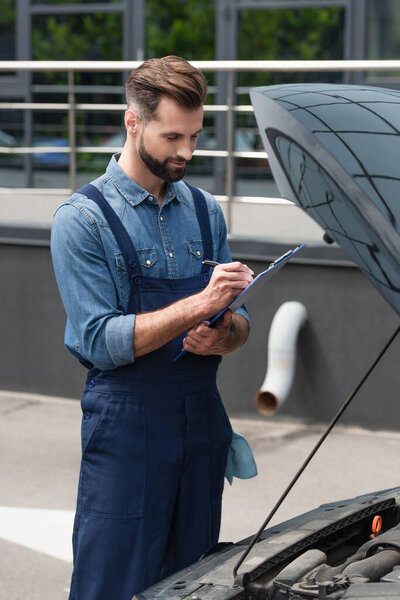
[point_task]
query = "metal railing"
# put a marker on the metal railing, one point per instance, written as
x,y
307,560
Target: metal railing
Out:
x,y
230,67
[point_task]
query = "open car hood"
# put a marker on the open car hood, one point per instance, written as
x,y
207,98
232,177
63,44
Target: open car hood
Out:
x,y
335,151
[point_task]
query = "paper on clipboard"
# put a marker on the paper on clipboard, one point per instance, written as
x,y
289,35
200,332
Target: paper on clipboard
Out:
x,y
259,281
253,287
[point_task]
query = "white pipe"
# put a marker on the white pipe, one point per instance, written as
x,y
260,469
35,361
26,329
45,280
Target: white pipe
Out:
x,y
282,342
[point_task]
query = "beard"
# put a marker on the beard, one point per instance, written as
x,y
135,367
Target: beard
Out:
x,y
160,168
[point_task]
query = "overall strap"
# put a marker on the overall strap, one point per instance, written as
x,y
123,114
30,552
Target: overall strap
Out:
x,y
121,235
123,239
200,204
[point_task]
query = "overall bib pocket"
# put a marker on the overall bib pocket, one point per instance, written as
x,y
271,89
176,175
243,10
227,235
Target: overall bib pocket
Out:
x,y
114,460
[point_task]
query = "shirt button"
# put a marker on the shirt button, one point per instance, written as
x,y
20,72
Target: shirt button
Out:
x,y
151,198
206,278
148,262
132,263
198,252
91,383
161,219
87,415
170,254
137,280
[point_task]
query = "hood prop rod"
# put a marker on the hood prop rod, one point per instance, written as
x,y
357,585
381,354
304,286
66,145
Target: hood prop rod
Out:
x,y
243,579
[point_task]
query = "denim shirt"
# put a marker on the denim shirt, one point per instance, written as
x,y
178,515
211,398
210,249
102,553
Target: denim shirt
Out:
x,y
90,270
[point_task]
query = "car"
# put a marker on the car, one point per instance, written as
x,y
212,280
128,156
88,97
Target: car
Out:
x,y
51,160
334,151
7,140
116,140
41,160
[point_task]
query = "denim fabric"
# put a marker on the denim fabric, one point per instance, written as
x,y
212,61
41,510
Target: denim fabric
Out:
x,y
90,270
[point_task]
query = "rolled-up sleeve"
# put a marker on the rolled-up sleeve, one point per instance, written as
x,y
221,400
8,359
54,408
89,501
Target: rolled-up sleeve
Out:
x,y
119,336
97,328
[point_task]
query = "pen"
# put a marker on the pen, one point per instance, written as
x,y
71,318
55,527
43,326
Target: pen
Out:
x,y
210,263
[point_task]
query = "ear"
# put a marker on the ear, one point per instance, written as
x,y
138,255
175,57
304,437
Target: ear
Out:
x,y
132,121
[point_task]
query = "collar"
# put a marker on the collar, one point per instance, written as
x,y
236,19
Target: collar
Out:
x,y
131,191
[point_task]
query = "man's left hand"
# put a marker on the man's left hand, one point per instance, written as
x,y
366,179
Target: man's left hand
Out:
x,y
206,340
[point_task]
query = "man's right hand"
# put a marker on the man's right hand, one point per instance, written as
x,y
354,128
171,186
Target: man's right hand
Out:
x,y
227,282
156,328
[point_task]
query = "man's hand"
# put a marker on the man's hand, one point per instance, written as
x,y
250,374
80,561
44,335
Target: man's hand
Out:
x,y
155,328
229,333
206,340
227,282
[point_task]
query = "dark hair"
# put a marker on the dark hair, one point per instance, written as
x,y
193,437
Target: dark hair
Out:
x,y
171,76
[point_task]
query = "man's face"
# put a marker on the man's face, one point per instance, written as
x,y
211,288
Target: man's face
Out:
x,y
166,143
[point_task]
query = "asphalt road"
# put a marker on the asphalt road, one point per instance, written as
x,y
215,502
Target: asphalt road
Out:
x,y
39,461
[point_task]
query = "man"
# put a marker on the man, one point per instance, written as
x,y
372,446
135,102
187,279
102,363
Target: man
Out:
x,y
128,254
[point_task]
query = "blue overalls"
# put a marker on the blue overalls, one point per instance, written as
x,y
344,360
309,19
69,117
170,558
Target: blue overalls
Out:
x,y
155,437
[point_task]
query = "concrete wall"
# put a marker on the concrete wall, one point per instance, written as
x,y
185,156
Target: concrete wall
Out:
x,y
348,324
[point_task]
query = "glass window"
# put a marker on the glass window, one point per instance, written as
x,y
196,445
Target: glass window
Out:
x,y
11,124
90,36
280,34
11,135
7,31
383,35
290,34
182,27
55,2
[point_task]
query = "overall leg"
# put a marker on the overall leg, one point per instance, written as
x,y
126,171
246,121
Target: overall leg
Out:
x,y
197,514
131,467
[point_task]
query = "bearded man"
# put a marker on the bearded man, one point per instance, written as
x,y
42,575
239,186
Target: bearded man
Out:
x,y
128,254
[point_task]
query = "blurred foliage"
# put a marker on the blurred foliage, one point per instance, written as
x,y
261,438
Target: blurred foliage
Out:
x,y
72,1
92,36
185,28
182,27
289,34
7,30
7,13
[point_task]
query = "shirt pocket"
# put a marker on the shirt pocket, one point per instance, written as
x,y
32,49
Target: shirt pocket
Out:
x,y
148,266
195,249
148,261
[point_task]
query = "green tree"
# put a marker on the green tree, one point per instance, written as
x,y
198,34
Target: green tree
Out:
x,y
182,27
78,37
7,29
289,34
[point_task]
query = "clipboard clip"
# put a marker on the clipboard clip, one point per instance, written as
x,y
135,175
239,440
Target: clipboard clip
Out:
x,y
278,260
275,264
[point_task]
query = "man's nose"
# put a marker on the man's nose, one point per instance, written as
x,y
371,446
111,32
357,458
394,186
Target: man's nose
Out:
x,y
186,150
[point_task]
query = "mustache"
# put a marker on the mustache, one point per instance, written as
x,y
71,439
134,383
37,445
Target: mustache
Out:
x,y
178,159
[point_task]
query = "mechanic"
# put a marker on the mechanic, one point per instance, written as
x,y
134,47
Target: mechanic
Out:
x,y
128,253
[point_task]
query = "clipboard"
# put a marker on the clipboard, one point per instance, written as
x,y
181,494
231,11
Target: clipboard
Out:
x,y
254,287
